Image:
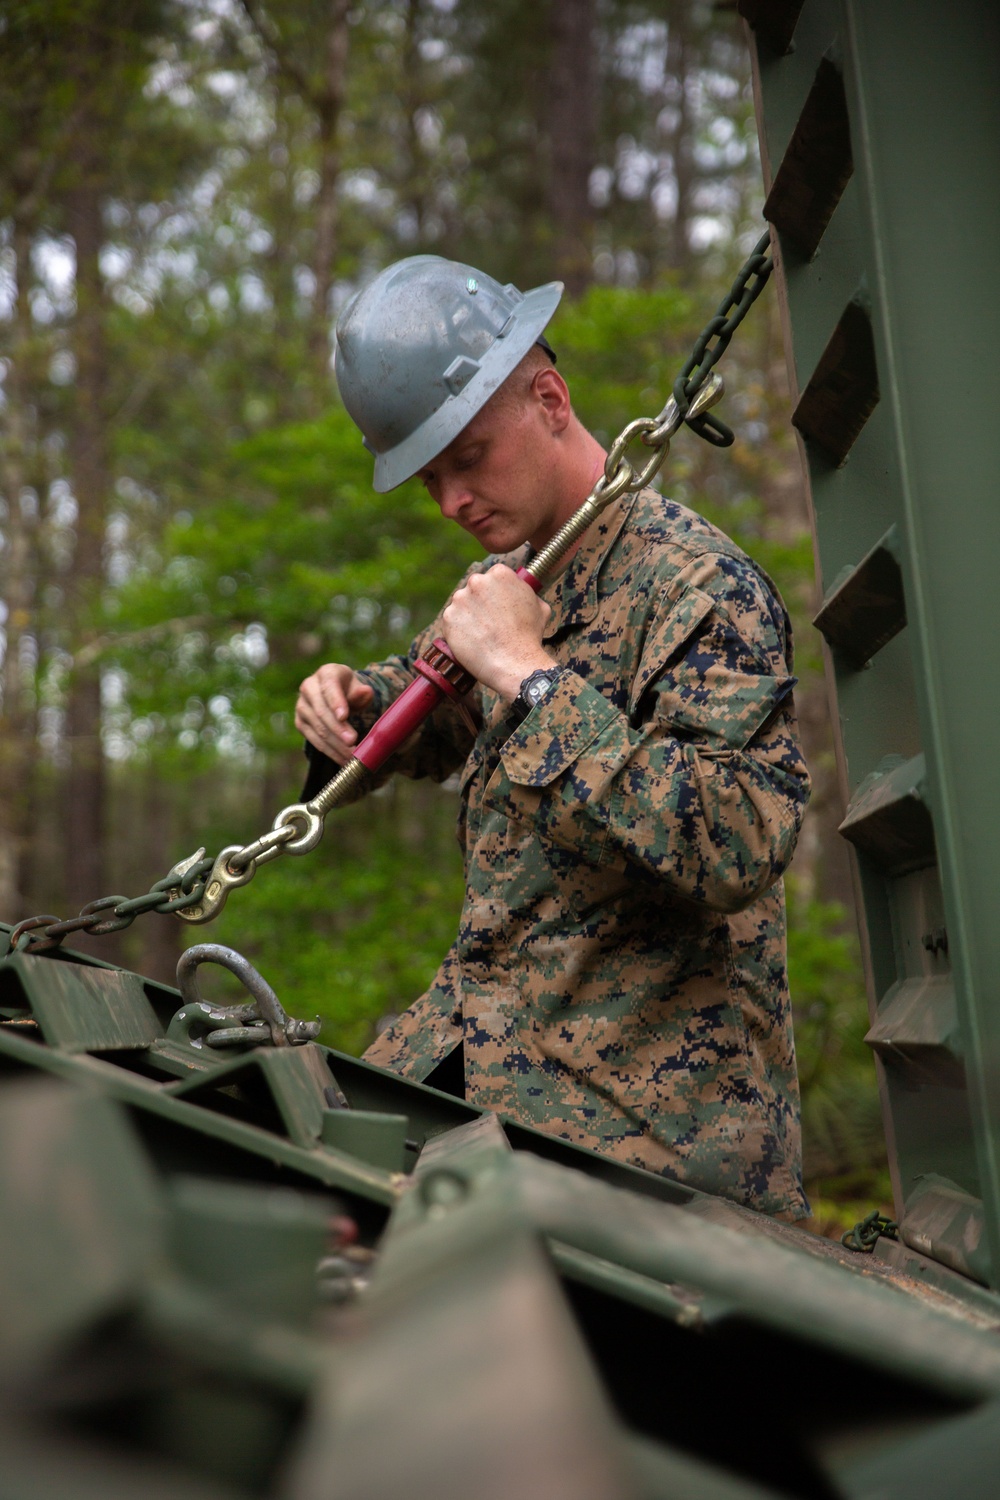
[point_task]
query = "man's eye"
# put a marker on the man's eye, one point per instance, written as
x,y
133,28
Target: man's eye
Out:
x,y
469,459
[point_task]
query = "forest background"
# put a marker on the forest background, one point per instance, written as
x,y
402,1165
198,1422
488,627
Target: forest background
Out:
x,y
189,192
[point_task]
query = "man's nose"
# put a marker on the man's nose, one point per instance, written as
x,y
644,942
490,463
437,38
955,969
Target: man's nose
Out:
x,y
453,497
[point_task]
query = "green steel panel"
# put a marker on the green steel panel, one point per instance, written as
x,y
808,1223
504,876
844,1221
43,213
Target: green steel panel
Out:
x,y
908,543
81,1227
934,176
85,1010
283,1085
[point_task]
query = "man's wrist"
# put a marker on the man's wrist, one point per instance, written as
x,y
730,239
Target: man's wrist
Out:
x,y
508,683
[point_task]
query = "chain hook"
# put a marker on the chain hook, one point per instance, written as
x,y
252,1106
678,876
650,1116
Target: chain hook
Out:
x,y
222,879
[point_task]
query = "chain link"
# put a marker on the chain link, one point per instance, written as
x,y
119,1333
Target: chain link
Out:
x,y
695,389
196,888
715,339
181,887
620,476
869,1230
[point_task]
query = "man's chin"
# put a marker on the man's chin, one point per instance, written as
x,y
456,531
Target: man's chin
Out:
x,y
494,536
489,534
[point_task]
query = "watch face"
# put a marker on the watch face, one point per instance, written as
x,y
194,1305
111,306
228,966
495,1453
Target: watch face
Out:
x,y
533,689
536,690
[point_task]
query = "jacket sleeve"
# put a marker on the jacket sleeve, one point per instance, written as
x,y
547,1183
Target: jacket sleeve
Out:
x,y
701,784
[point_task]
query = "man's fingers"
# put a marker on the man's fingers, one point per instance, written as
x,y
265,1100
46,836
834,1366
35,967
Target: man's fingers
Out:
x,y
332,745
316,708
359,694
495,625
324,736
330,684
341,691
325,702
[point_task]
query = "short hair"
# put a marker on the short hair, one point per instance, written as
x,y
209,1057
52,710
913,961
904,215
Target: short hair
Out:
x,y
514,391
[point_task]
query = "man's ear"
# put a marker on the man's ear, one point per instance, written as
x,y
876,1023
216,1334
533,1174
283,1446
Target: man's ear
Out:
x,y
552,394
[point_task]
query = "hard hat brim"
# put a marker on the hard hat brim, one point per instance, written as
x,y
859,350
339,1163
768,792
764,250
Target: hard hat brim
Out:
x,y
533,312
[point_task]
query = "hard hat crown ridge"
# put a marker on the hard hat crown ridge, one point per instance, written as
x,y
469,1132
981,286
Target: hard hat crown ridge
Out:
x,y
422,348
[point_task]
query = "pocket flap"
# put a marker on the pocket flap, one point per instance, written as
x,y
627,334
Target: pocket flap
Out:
x,y
667,639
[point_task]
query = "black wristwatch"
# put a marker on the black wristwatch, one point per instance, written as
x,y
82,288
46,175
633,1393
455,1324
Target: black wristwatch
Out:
x,y
536,686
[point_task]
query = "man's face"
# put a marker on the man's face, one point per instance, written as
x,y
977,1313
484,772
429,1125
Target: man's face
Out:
x,y
500,478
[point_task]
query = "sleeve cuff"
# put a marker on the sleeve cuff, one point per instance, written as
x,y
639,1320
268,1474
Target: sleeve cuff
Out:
x,y
387,680
556,732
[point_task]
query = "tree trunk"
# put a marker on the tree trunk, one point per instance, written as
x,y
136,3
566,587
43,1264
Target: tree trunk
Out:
x,y
17,732
681,145
328,105
415,184
573,136
91,480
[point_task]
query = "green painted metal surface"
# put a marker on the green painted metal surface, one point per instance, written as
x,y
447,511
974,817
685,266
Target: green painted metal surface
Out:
x,y
217,1286
886,205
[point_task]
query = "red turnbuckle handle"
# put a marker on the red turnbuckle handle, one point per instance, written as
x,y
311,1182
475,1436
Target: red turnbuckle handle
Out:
x,y
534,584
439,676
400,719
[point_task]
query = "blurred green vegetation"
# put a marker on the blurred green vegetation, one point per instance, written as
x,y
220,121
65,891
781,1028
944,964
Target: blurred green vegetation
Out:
x,y
845,1164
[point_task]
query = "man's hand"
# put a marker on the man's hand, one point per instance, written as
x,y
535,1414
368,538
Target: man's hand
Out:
x,y
494,626
325,701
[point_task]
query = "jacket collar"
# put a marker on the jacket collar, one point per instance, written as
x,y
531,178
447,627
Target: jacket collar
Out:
x,y
573,592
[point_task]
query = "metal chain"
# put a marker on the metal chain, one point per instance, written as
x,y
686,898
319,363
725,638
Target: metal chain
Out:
x,y
867,1231
181,887
196,888
716,336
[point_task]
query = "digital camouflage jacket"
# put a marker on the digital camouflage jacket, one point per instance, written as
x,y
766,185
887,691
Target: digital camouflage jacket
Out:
x,y
619,974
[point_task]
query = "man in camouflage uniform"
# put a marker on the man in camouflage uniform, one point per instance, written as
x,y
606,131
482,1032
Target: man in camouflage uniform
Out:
x,y
619,973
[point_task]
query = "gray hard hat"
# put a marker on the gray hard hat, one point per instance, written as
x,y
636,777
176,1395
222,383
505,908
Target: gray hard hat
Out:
x,y
422,348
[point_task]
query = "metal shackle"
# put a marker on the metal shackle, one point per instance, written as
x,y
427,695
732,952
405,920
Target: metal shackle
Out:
x,y
283,1030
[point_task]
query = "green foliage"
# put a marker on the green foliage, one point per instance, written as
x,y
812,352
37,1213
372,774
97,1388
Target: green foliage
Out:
x,y
297,548
845,1164
72,101
621,348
